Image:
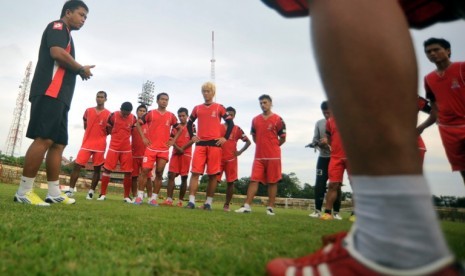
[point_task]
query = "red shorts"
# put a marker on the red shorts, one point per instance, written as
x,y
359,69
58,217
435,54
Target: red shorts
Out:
x,y
84,156
124,158
180,164
137,167
229,167
336,169
453,139
209,156
419,13
151,156
266,171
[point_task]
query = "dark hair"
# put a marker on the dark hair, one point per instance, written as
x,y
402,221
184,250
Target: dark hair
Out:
x,y
102,92
126,106
73,5
141,106
183,109
324,105
440,41
230,108
162,94
265,97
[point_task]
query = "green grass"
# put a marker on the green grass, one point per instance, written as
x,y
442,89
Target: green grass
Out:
x,y
114,238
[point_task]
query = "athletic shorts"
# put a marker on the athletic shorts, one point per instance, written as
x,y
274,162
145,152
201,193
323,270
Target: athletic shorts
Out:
x,y
150,157
266,171
124,158
419,13
84,156
137,167
229,167
180,164
209,156
336,169
453,139
48,120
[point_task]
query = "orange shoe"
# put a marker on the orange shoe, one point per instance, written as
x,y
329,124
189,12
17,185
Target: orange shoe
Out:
x,y
326,216
167,202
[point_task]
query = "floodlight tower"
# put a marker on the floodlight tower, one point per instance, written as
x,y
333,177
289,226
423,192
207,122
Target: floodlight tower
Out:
x,y
15,136
146,96
212,60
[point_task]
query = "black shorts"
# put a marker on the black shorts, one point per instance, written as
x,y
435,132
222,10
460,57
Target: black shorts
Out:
x,y
48,120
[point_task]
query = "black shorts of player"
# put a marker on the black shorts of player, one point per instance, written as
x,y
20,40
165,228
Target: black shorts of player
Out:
x,y
48,120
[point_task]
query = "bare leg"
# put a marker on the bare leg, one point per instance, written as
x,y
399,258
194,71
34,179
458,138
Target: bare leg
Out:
x,y
35,155
193,184
332,194
53,161
74,175
251,191
272,191
142,181
182,190
160,167
211,188
229,193
95,177
170,188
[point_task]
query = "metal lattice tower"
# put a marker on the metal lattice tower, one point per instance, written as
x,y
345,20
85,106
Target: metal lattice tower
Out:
x,y
212,60
147,94
15,136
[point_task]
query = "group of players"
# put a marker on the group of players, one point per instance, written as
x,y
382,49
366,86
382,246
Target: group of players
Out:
x,y
141,142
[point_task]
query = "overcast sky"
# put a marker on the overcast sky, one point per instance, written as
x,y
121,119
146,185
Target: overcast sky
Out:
x,y
169,43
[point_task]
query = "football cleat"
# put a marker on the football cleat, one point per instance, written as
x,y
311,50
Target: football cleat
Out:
x,y
337,216
206,207
69,193
167,202
326,216
63,198
90,196
269,211
190,205
138,201
101,197
316,214
30,198
243,210
153,202
179,204
226,208
127,200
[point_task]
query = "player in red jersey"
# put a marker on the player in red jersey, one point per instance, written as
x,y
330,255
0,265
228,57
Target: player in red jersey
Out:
x,y
269,133
93,145
337,165
208,141
445,88
364,52
181,156
120,124
138,150
229,157
158,142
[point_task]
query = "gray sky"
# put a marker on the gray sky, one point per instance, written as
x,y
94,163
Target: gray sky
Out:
x,y
169,43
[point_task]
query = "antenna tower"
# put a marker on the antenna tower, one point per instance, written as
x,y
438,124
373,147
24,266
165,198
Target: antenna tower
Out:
x,y
212,61
146,96
15,136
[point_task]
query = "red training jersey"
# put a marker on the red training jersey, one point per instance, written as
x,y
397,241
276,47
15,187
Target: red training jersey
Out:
x,y
332,132
230,146
266,132
95,136
183,139
159,128
447,91
121,131
209,125
138,146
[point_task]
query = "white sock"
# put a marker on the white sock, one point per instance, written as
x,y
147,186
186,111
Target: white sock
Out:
x,y
209,200
25,185
91,191
246,206
396,223
140,194
169,199
192,199
155,196
54,188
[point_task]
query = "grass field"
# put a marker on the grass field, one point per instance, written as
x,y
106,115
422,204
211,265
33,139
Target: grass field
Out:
x,y
114,238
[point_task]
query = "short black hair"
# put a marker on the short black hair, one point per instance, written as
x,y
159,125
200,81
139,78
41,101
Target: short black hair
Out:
x,y
73,5
440,41
126,106
324,105
230,108
162,94
102,92
265,97
141,106
183,109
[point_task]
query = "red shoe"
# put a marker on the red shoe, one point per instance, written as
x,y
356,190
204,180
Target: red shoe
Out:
x,y
335,259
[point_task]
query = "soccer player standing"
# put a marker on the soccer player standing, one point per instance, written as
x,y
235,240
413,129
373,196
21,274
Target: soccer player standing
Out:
x,y
93,145
208,141
445,88
51,93
229,157
120,124
269,133
181,156
158,141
